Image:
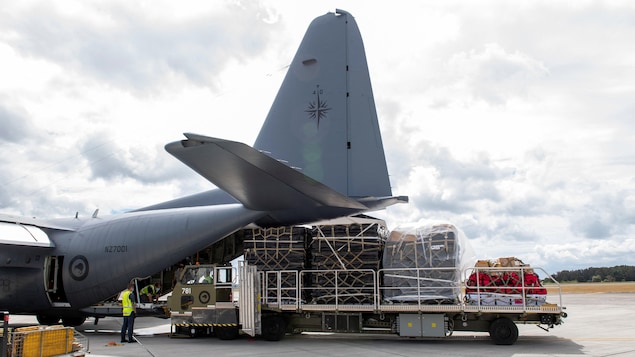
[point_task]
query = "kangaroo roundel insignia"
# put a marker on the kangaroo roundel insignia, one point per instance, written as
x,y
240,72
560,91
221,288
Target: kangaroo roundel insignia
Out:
x,y
78,268
204,297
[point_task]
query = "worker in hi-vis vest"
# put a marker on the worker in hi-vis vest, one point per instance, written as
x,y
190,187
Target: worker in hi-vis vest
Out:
x,y
128,304
150,293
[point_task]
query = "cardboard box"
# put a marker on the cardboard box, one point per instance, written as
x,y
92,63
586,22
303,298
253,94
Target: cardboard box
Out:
x,y
510,262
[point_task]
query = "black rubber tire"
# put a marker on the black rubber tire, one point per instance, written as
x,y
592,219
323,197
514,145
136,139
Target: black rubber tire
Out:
x,y
274,328
73,321
227,333
503,331
48,320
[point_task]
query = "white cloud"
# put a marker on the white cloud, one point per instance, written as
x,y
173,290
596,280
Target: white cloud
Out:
x,y
511,119
585,253
492,74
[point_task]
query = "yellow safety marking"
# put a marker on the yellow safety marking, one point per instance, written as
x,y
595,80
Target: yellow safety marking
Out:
x,y
434,325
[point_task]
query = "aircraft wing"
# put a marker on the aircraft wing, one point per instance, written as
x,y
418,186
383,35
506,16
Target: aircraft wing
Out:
x,y
24,235
257,180
39,223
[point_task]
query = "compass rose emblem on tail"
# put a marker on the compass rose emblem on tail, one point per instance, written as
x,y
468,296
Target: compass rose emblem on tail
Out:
x,y
318,108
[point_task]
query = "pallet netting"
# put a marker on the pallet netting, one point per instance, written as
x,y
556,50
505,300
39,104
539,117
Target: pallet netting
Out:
x,y
333,254
350,246
423,263
342,287
280,248
345,247
353,230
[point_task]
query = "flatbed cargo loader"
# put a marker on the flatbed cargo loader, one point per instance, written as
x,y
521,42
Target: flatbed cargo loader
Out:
x,y
273,303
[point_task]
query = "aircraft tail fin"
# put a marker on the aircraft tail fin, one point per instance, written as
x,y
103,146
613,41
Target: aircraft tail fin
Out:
x,y
323,120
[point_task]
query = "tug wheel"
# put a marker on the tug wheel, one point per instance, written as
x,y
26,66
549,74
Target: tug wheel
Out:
x,y
227,332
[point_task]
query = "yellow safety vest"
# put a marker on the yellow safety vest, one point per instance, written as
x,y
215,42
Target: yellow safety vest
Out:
x,y
146,290
127,303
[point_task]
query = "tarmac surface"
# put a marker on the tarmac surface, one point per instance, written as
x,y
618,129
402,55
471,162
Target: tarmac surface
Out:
x,y
597,325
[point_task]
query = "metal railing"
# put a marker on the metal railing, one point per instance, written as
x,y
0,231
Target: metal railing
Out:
x,y
501,286
404,289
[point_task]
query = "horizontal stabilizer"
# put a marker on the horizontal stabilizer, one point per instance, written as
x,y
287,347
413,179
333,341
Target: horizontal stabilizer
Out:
x,y
377,203
258,181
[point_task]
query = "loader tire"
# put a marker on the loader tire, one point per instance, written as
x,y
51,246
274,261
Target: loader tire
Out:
x,y
274,328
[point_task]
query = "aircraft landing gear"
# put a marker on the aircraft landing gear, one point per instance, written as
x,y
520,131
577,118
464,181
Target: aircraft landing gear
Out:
x,y
47,319
73,321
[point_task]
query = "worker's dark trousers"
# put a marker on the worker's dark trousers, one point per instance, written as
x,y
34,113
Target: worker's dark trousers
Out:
x,y
128,324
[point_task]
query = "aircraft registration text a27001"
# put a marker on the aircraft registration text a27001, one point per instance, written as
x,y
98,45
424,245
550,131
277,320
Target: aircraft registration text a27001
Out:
x,y
116,248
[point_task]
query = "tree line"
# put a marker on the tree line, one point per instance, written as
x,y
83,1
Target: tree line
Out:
x,y
616,273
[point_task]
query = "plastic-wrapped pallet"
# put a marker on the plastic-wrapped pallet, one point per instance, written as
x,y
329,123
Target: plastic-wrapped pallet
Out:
x,y
423,262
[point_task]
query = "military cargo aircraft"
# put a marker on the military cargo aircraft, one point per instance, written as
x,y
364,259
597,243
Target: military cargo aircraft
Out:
x,y
319,155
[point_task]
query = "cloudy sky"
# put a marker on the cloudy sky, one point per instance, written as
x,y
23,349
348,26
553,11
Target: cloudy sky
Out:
x,y
513,120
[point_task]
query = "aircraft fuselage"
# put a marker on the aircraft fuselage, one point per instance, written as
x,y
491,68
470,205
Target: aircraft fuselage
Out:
x,y
99,258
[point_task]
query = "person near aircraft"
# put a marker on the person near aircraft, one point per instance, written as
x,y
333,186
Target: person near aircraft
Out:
x,y
128,305
150,293
206,276
177,274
